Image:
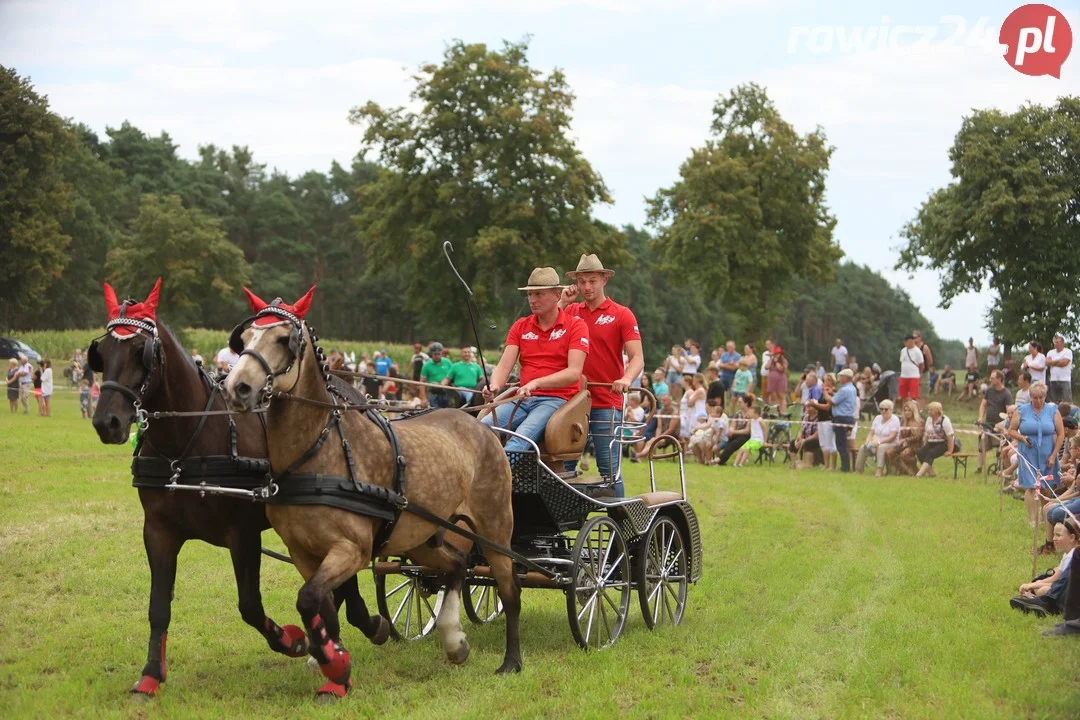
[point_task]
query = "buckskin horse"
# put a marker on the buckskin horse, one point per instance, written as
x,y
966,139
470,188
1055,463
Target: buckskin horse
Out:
x,y
146,371
338,503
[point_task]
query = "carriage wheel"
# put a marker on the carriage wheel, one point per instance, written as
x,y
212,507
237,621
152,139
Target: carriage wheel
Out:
x,y
482,602
598,599
662,579
415,604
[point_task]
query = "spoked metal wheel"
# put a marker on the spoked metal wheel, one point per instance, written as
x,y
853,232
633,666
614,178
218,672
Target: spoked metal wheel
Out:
x,y
482,603
662,578
409,602
598,599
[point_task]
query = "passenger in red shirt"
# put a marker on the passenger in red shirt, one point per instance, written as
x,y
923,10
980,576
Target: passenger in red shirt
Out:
x,y
613,329
552,346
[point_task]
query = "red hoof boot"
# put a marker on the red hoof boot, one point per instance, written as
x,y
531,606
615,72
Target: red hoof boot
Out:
x,y
146,687
295,641
332,691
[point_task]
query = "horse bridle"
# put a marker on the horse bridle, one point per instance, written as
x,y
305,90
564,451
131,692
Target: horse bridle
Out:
x,y
297,345
150,354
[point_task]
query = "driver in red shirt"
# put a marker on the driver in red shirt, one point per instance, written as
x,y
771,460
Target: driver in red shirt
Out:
x,y
551,346
613,329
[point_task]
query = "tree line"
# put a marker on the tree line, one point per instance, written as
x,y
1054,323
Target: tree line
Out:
x,y
740,245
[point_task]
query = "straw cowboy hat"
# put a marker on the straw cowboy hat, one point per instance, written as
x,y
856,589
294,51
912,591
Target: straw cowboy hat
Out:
x,y
545,278
588,264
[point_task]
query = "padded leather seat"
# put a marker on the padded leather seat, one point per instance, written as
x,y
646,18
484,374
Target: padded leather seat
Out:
x,y
567,430
659,498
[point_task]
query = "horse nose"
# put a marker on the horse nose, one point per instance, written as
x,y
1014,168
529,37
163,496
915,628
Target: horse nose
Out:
x,y
242,390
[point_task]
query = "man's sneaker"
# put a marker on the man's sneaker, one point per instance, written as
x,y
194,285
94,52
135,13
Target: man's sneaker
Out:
x,y
1069,627
1029,605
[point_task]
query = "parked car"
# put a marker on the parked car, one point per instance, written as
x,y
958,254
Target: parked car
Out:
x,y
11,348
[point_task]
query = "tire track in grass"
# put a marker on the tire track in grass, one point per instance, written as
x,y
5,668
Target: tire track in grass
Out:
x,y
816,645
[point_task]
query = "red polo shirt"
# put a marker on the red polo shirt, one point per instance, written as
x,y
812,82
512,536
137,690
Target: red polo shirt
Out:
x,y
610,326
543,352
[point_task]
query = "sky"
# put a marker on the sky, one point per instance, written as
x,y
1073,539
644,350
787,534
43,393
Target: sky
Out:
x,y
888,84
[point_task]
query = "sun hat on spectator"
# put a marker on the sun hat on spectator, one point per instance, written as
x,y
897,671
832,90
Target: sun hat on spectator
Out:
x,y
846,372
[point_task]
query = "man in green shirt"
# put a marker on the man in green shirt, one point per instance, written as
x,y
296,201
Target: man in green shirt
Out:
x,y
464,374
435,371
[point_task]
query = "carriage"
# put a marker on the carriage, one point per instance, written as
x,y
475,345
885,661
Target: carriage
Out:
x,y
570,535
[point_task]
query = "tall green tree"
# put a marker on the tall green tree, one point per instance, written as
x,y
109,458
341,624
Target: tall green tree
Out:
x,y
34,197
1010,220
202,271
486,162
748,215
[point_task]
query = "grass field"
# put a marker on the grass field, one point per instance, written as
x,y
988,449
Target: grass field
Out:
x,y
823,596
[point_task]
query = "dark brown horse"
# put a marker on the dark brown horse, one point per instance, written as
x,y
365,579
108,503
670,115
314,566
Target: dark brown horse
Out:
x,y
142,362
454,467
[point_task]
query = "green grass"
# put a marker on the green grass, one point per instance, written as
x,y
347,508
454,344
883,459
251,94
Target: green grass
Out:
x,y
823,596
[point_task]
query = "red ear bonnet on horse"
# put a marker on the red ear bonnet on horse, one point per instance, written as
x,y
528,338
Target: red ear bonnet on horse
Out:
x,y
299,309
146,310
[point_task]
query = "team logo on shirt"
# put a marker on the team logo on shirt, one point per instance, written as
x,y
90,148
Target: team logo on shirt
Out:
x,y
636,330
585,341
530,336
556,334
605,319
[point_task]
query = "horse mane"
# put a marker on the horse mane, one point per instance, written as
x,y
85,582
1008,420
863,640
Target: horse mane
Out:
x,y
164,331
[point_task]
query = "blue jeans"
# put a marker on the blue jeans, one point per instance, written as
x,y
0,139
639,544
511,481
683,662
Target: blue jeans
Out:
x,y
530,419
438,399
1056,513
842,434
600,427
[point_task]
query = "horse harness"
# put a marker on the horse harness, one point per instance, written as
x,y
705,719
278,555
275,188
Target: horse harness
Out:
x,y
351,494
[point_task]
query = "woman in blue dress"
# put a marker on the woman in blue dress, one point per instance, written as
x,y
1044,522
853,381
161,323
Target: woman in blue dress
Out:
x,y
1038,431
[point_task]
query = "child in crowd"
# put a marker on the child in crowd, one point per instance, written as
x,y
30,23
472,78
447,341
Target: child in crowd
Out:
x,y
739,386
95,393
84,398
757,438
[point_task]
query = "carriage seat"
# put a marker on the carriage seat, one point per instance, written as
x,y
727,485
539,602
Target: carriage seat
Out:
x,y
653,499
566,431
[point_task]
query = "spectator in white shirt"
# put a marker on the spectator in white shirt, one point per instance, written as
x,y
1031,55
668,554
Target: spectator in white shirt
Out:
x,y
882,438
1035,362
993,354
1023,394
692,360
1061,364
226,358
911,366
839,356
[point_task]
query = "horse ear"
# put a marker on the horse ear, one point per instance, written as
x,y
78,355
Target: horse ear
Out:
x,y
111,303
304,304
254,301
152,299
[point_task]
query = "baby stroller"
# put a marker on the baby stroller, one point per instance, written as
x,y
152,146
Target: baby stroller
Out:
x,y
887,388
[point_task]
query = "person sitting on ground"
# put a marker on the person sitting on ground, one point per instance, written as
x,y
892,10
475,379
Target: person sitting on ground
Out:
x,y
659,385
634,423
739,428
947,381
901,458
1046,594
806,445
756,442
883,436
1008,459
719,436
939,439
701,438
714,393
971,385
1066,500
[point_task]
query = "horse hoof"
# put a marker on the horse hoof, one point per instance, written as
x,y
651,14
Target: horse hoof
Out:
x,y
460,655
509,666
382,634
295,641
331,692
146,689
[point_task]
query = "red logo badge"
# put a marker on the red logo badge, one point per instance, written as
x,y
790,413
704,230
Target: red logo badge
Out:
x,y
1039,40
